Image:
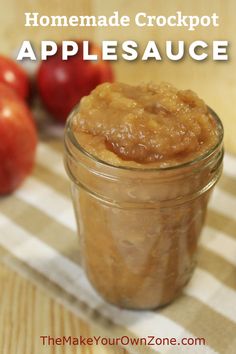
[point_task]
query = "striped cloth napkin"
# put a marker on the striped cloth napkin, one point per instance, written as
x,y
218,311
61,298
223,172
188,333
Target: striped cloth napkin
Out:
x,y
37,228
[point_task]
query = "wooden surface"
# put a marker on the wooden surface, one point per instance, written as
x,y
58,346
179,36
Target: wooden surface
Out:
x,y
26,311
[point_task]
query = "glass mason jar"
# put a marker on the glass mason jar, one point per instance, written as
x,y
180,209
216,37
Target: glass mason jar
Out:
x,y
139,228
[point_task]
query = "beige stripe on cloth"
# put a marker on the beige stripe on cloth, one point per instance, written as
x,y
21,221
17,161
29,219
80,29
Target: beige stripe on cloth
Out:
x,y
44,240
221,222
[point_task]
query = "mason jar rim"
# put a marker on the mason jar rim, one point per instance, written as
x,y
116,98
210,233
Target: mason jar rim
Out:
x,y
198,159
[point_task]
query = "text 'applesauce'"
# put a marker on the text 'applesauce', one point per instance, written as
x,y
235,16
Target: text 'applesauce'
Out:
x,y
142,161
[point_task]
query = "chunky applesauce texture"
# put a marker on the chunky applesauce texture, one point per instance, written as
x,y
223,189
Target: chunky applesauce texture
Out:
x,y
145,126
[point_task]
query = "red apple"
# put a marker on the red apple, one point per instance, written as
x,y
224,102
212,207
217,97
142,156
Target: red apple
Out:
x,y
18,139
14,76
62,83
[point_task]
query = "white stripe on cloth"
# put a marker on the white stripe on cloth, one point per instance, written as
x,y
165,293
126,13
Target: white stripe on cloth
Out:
x,y
46,260
46,199
51,159
230,165
71,277
219,243
223,202
205,287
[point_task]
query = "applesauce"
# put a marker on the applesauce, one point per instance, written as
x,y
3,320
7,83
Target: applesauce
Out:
x,y
142,161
